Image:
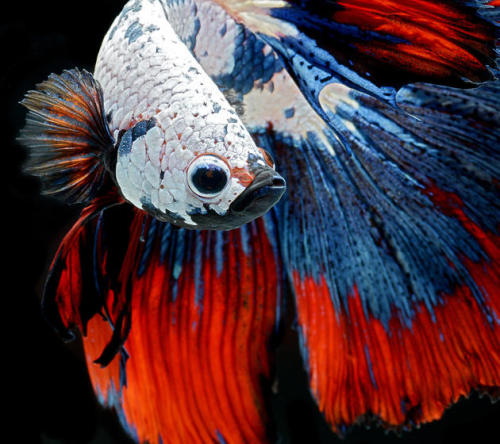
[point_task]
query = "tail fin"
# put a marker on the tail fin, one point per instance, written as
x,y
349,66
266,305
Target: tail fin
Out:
x,y
391,239
176,323
67,135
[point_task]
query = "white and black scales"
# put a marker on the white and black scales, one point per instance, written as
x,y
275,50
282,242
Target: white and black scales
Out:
x,y
168,114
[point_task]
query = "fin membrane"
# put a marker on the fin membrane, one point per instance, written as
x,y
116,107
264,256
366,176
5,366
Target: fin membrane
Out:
x,y
391,239
377,46
73,289
67,135
192,363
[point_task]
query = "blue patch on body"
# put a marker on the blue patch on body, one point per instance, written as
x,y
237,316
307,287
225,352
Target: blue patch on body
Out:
x,y
132,7
223,30
132,134
251,65
133,32
125,145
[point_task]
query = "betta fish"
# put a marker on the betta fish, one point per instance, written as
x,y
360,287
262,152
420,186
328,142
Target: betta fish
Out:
x,y
232,155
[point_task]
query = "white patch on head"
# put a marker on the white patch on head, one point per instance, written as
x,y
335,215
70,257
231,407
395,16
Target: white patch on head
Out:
x,y
147,72
281,94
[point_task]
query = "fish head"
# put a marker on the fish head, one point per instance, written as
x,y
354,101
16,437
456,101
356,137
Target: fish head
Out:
x,y
197,166
183,154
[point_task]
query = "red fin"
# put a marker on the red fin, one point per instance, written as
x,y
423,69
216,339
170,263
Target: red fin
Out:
x,y
108,380
404,375
433,40
202,308
71,274
67,135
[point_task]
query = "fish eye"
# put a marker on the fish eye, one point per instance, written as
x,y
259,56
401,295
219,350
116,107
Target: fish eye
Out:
x,y
208,175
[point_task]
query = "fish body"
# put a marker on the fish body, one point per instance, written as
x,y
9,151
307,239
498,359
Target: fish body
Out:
x,y
148,74
179,149
383,120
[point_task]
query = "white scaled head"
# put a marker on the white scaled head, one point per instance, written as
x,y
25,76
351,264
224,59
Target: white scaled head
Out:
x,y
183,154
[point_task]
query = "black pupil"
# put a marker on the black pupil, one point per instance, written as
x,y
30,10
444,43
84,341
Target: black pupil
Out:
x,y
209,178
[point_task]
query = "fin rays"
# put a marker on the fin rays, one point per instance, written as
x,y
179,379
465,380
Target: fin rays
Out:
x,y
67,135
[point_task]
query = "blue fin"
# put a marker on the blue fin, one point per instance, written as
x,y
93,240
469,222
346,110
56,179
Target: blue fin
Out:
x,y
377,46
391,240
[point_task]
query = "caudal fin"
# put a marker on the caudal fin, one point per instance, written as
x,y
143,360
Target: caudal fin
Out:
x,y
391,240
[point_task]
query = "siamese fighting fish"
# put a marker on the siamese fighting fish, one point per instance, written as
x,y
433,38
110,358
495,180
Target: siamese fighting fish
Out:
x,y
229,156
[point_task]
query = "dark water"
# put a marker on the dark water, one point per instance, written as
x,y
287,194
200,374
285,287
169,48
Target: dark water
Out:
x,y
49,397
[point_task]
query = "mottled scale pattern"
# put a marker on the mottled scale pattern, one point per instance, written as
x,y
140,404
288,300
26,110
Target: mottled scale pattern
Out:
x,y
250,74
147,72
247,62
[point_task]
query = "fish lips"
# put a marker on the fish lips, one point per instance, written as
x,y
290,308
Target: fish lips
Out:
x,y
257,199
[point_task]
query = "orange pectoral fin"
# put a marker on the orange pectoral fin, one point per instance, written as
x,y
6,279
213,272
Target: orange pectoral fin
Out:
x,y
67,135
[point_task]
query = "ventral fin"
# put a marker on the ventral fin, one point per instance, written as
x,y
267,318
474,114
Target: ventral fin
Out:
x,y
81,271
67,135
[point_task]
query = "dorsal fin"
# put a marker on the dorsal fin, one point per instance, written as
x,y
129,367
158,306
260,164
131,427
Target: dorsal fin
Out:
x,y
376,46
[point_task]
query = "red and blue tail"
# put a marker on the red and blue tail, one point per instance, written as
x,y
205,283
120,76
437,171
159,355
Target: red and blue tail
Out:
x,y
391,239
390,230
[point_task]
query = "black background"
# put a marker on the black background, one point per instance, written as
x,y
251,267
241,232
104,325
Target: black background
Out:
x,y
50,398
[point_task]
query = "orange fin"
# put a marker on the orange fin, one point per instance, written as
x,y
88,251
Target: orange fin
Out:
x,y
67,135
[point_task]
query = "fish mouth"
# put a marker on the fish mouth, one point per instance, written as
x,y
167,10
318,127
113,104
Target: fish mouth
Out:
x,y
261,195
257,199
